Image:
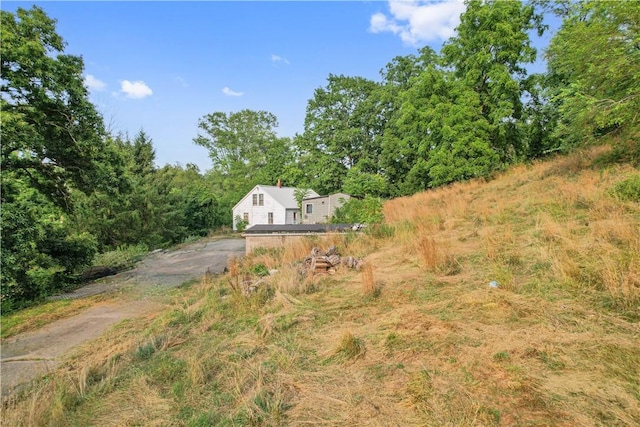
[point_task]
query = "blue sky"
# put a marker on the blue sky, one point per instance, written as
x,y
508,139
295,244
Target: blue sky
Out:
x,y
160,66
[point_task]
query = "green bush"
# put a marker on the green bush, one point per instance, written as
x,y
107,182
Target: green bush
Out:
x,y
260,270
628,190
123,257
367,210
40,253
241,224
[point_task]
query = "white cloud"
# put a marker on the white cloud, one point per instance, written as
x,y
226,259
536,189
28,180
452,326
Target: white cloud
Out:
x,y
418,21
136,90
230,92
94,84
278,58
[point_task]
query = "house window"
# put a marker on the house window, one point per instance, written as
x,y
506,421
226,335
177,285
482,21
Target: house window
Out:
x,y
270,215
255,200
295,217
260,199
309,208
245,217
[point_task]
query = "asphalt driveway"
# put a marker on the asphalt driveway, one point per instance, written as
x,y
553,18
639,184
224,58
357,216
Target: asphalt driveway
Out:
x,y
31,354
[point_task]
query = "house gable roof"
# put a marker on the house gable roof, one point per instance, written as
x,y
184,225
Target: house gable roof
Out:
x,y
284,196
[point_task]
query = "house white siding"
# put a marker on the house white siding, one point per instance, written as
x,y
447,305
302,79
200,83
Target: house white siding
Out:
x,y
292,216
278,201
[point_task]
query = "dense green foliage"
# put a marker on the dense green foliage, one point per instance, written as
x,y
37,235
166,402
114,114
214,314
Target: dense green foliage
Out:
x,y
367,210
595,62
245,151
52,141
71,190
628,189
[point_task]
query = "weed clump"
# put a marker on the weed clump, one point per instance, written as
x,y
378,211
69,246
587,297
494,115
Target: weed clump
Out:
x,y
350,348
628,190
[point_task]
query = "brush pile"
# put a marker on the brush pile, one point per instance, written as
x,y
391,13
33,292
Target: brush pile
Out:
x,y
316,263
327,262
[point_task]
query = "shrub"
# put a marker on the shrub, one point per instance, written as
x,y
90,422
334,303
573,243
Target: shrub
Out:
x,y
241,224
628,190
122,257
363,211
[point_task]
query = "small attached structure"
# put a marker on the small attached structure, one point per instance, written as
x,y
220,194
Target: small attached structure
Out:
x,y
268,204
320,209
276,236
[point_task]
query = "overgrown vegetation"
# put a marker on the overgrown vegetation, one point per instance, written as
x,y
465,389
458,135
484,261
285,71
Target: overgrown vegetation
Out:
x,y
71,190
509,302
122,257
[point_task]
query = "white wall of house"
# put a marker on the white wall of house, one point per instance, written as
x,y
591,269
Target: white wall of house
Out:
x,y
258,213
292,216
257,205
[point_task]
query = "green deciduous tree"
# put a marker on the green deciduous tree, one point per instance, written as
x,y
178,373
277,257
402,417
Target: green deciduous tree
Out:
x,y
402,133
52,135
299,194
339,132
53,143
595,61
238,143
245,151
358,183
489,54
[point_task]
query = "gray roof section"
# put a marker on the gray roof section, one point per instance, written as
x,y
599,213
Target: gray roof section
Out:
x,y
298,228
328,195
282,195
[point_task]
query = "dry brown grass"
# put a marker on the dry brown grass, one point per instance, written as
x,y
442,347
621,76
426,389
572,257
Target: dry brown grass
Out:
x,y
556,343
368,280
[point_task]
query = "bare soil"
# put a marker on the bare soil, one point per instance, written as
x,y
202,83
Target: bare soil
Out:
x,y
32,354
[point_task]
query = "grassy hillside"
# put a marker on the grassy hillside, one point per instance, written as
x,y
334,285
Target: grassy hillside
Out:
x,y
418,337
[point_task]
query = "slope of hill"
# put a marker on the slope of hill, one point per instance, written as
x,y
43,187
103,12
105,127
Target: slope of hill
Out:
x,y
509,302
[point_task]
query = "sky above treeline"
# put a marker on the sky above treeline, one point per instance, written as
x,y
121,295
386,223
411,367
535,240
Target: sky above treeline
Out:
x,y
160,66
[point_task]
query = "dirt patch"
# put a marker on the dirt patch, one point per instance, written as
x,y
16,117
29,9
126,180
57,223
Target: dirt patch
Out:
x,y
29,355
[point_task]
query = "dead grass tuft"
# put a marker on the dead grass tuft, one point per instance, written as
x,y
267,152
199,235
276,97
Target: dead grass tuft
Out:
x,y
348,349
621,279
368,282
139,404
426,248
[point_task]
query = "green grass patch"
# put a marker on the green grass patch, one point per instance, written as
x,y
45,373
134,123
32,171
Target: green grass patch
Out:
x,y
37,316
627,190
123,257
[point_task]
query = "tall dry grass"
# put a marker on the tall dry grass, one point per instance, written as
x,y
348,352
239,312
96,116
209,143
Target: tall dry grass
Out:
x,y
554,344
563,209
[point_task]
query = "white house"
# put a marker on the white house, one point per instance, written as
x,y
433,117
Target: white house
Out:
x,y
268,204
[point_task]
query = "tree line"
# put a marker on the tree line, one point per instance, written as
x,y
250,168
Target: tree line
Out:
x,y
70,189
